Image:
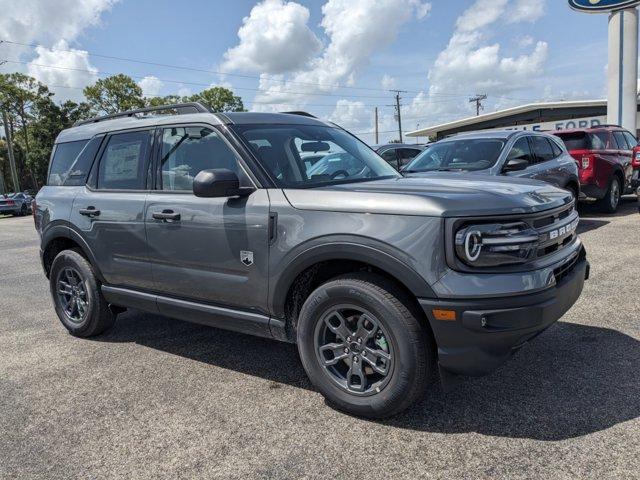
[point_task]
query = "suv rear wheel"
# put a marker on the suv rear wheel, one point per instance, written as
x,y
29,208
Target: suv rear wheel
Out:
x,y
363,348
609,203
82,309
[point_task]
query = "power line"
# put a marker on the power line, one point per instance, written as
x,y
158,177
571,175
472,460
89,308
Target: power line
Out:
x,y
478,101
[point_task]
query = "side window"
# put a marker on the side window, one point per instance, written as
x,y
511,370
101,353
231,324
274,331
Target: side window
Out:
x,y
557,151
631,140
390,157
542,149
621,141
64,157
123,162
521,149
188,150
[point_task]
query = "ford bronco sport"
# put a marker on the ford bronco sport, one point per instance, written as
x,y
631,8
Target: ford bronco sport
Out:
x,y
381,280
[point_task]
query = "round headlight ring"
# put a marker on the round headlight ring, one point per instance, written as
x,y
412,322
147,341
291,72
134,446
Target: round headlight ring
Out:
x,y
473,245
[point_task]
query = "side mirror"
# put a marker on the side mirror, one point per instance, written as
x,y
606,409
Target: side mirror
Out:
x,y
219,182
515,165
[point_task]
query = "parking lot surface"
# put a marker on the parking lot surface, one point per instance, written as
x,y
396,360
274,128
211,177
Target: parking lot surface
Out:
x,y
157,397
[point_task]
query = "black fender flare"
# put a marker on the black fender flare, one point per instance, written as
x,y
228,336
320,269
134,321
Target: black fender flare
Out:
x,y
63,229
381,256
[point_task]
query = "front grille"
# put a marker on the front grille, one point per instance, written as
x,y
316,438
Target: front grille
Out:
x,y
556,230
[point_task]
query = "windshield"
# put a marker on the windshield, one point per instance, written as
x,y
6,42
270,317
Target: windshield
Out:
x,y
302,156
470,154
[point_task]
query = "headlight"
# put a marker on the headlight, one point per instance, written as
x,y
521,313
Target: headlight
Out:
x,y
495,244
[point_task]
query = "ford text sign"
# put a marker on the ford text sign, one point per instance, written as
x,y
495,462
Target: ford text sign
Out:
x,y
596,6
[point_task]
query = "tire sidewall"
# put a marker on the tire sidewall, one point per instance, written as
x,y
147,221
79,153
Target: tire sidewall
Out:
x,y
612,206
69,258
404,364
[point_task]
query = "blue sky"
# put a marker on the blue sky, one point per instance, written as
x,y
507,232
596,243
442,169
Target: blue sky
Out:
x,y
334,58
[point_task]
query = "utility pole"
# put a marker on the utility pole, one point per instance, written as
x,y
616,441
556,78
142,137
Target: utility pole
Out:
x,y
478,101
12,159
398,112
376,123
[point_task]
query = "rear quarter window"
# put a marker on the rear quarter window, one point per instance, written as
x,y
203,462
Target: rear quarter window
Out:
x,y
63,161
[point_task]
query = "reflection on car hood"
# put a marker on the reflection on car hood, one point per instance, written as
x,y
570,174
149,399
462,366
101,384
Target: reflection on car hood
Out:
x,y
439,194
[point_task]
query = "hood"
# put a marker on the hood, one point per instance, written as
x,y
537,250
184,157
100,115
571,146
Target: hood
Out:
x,y
438,195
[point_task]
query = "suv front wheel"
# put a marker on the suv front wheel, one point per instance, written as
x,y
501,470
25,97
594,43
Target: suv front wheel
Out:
x,y
78,301
363,347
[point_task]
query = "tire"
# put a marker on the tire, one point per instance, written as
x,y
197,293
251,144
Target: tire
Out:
x,y
393,325
74,271
609,203
24,210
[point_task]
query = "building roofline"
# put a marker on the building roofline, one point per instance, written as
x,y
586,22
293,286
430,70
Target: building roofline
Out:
x,y
429,131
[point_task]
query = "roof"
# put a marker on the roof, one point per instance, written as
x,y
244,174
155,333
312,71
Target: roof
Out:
x,y
509,112
89,130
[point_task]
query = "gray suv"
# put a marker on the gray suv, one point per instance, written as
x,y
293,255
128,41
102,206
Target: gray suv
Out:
x,y
501,152
381,280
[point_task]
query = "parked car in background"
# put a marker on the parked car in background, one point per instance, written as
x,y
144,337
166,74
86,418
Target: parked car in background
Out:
x,y
608,160
398,155
15,203
500,152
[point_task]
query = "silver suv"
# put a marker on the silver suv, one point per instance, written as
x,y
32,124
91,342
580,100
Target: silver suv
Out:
x,y
512,153
381,280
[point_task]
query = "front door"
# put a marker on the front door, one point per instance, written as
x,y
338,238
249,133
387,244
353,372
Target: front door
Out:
x,y
211,250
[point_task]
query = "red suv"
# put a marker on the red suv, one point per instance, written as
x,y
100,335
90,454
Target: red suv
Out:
x,y
608,160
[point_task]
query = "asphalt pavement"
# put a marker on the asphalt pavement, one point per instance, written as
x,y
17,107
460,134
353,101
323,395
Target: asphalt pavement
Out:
x,y
160,398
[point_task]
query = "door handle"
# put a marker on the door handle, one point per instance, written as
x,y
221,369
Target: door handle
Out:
x,y
89,212
166,215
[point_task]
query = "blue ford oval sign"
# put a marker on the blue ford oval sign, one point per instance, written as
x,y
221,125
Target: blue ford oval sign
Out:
x,y
596,6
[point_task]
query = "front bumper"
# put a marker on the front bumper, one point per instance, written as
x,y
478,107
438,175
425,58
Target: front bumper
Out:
x,y
486,332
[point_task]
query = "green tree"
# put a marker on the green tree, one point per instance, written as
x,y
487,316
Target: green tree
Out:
x,y
114,94
219,99
166,100
18,95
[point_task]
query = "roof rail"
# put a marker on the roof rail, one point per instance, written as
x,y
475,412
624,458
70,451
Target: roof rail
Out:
x,y
180,108
609,125
302,114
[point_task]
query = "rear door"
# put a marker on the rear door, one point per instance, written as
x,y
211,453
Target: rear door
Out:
x,y
546,167
213,250
109,211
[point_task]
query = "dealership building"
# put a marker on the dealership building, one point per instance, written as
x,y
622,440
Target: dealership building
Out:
x,y
535,116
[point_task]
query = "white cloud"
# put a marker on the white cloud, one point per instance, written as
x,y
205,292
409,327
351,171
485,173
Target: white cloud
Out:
x,y
274,38
58,23
353,116
47,21
151,86
66,71
388,82
471,64
525,11
355,31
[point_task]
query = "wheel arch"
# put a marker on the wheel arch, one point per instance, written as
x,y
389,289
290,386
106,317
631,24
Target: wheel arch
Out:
x,y
319,263
62,237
